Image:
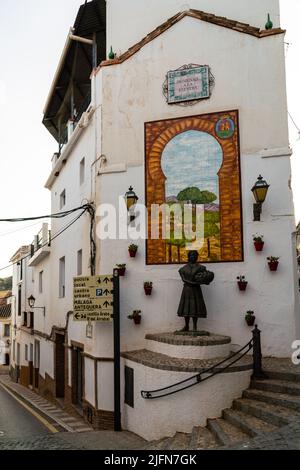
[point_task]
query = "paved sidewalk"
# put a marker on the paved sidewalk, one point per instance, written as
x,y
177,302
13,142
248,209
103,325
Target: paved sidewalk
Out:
x,y
63,420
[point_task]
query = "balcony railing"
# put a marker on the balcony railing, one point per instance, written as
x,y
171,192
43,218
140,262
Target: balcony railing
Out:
x,y
40,247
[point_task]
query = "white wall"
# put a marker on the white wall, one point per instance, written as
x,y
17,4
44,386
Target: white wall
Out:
x,y
244,69
129,21
180,412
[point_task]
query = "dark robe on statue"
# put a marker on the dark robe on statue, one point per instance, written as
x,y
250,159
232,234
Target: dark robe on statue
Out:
x,y
192,303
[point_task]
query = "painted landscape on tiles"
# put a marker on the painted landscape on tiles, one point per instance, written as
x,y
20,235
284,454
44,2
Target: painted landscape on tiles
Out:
x,y
195,161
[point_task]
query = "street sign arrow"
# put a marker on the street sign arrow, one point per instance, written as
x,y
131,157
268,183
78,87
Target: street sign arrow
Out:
x,y
106,292
106,280
106,304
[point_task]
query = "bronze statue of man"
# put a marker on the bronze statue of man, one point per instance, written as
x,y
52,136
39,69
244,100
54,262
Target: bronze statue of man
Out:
x,y
192,304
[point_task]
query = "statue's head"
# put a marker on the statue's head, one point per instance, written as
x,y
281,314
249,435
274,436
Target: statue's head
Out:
x,y
193,256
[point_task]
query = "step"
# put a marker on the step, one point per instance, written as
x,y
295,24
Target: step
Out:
x,y
187,346
272,398
225,433
202,438
161,444
277,386
248,424
282,375
179,442
275,415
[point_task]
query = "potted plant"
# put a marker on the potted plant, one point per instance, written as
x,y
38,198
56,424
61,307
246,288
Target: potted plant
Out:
x,y
242,283
121,269
258,242
132,250
135,316
148,287
250,318
273,262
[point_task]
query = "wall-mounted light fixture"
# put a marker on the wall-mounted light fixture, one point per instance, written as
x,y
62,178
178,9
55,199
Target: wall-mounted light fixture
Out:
x,y
31,302
259,191
131,200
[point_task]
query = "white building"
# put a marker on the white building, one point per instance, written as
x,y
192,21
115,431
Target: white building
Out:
x,y
126,125
5,320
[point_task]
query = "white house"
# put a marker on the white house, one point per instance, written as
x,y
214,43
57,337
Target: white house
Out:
x,y
121,130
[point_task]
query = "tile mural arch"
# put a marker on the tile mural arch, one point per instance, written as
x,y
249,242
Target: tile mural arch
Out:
x,y
227,239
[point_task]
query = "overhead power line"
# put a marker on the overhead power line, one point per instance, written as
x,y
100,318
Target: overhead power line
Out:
x,y
85,208
57,215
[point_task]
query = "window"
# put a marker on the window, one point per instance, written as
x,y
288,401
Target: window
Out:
x,y
31,353
62,276
19,301
6,331
25,318
41,282
26,352
82,171
79,263
21,270
62,199
14,350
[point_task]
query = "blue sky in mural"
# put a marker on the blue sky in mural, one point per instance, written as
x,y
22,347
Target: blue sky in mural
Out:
x,y
192,158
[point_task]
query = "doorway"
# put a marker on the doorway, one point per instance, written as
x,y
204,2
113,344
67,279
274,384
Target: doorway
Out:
x,y
7,359
36,363
60,366
77,376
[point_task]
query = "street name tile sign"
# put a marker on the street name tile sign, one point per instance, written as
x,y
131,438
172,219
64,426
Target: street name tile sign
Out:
x,y
93,298
188,84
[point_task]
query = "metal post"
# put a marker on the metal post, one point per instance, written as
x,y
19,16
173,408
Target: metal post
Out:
x,y
117,353
95,51
257,356
257,207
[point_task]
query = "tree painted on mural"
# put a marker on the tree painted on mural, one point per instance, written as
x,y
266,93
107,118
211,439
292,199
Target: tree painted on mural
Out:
x,y
196,196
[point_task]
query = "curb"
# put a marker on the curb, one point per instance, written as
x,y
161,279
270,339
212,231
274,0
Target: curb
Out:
x,y
37,408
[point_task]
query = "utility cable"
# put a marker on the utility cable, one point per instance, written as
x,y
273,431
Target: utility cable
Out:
x,y
57,215
85,208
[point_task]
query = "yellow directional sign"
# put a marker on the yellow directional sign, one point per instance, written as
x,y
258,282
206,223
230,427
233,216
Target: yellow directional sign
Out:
x,y
93,298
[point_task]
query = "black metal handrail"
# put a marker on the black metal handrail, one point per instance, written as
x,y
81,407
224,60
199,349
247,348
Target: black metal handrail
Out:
x,y
254,344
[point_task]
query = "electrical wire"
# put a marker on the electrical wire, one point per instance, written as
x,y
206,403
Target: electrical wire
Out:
x,y
291,117
57,215
20,229
86,208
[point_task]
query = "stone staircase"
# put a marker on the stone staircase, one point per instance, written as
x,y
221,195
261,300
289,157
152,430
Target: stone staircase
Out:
x,y
265,407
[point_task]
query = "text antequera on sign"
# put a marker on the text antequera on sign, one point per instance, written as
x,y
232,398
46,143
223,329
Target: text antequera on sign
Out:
x,y
93,298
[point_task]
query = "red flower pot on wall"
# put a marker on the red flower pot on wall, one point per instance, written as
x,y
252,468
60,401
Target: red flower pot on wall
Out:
x,y
137,319
250,320
273,265
242,285
132,249
259,246
122,270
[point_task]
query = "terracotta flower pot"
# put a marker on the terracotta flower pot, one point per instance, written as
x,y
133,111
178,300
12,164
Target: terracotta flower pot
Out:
x,y
121,271
132,253
148,290
137,319
242,285
250,320
273,265
259,246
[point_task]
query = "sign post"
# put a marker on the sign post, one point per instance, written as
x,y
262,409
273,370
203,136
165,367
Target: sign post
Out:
x,y
117,352
97,299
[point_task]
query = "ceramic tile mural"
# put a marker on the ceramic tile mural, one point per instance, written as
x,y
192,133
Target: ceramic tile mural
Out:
x,y
195,161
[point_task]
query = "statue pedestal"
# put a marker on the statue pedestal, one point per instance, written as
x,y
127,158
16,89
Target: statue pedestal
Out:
x,y
189,345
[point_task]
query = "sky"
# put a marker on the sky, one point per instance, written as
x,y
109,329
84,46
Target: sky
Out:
x,y
202,156
32,37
